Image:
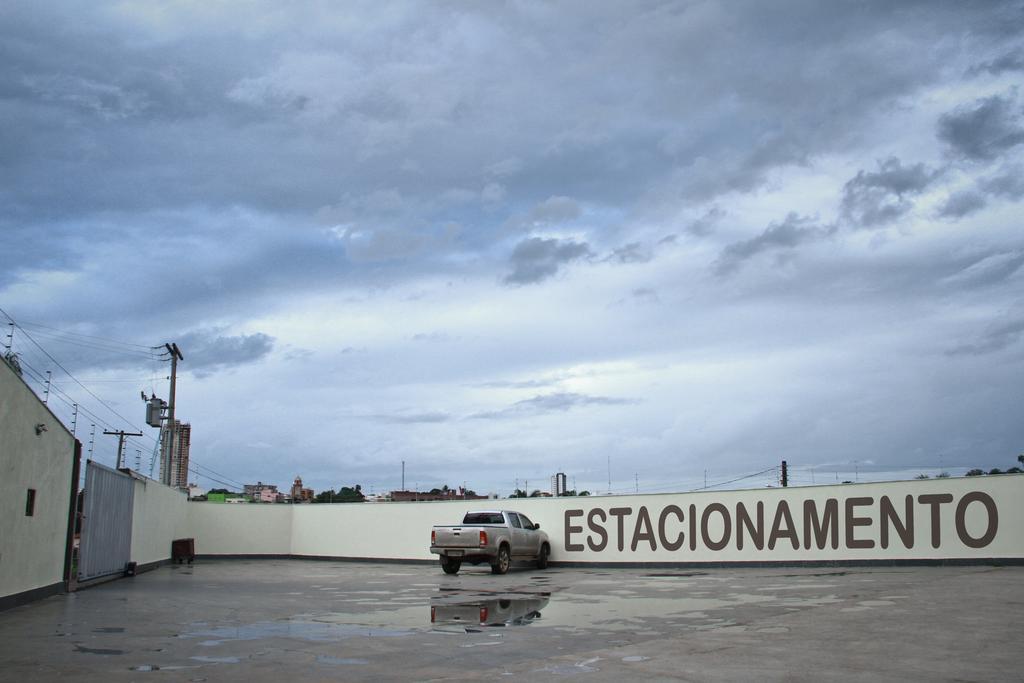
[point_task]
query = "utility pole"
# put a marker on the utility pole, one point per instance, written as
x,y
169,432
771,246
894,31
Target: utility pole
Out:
x,y
165,474
403,475
10,338
92,438
120,434
46,393
74,419
636,482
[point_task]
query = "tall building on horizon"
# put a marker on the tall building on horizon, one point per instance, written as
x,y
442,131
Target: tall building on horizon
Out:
x,y
559,484
174,465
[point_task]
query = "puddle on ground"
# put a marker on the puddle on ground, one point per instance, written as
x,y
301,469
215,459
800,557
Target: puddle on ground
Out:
x,y
464,611
337,661
154,667
586,666
594,604
97,651
316,631
216,660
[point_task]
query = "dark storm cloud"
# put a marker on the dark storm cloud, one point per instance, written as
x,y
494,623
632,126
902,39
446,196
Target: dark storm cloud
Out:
x,y
520,384
997,337
960,204
646,295
198,166
1010,61
412,418
705,225
536,259
983,130
555,210
224,112
990,269
1008,184
634,252
788,235
550,403
872,199
208,351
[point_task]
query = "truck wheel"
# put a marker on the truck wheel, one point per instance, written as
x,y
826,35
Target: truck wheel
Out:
x,y
503,562
542,559
450,566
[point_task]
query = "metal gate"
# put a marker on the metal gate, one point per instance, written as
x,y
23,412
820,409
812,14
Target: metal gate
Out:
x,y
106,522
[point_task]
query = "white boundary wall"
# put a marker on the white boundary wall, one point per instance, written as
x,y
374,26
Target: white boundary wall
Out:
x,y
961,519
159,515
32,549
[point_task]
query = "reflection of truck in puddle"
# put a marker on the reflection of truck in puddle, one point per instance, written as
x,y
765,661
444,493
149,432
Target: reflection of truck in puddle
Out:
x,y
517,611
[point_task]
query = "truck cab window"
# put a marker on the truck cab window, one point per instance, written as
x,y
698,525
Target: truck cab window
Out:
x,y
514,519
527,524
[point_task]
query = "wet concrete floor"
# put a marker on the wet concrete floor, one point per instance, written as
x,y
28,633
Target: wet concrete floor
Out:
x,y
271,620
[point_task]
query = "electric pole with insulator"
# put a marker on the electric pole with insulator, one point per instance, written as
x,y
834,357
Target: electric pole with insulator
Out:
x,y
165,475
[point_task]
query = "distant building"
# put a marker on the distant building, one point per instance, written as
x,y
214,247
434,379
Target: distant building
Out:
x,y
174,465
451,494
558,484
196,491
261,493
300,494
226,498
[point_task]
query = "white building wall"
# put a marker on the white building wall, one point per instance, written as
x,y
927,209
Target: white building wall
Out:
x,y
385,531
159,515
242,529
32,548
984,511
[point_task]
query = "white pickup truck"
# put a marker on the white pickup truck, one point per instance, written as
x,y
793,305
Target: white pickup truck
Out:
x,y
494,536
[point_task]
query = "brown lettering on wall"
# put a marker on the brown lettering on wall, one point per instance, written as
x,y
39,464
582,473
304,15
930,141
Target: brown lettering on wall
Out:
x,y
571,547
782,514
743,521
693,527
643,531
852,522
935,500
620,514
665,543
961,521
904,529
726,526
597,529
823,527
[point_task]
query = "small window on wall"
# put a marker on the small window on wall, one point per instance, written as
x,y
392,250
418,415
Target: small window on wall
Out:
x,y
30,503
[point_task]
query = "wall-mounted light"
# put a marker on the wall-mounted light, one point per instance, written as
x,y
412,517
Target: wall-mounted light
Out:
x,y
40,428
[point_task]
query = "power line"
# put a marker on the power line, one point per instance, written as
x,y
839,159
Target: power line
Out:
x,y
66,371
733,481
86,336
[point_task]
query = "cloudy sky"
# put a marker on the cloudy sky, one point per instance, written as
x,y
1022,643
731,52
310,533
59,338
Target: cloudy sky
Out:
x,y
496,240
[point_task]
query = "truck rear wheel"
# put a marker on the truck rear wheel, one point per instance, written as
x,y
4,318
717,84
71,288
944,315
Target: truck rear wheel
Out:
x,y
450,565
542,558
503,561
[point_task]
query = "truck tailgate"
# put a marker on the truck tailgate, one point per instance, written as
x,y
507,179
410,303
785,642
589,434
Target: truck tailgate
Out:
x,y
457,536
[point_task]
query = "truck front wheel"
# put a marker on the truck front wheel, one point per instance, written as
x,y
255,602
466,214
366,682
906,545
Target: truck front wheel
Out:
x,y
503,561
450,565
